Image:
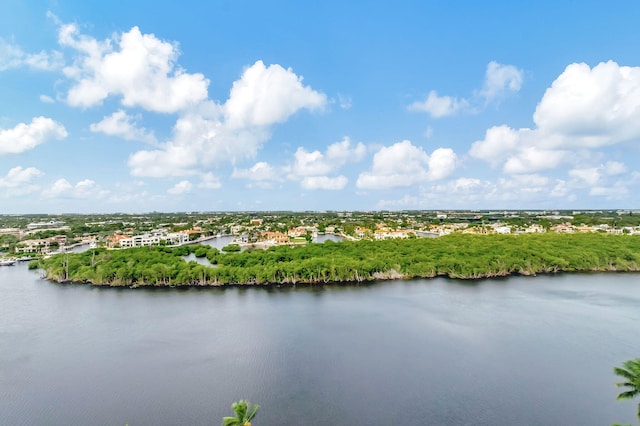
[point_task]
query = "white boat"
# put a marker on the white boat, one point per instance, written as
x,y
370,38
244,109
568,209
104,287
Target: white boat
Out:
x,y
7,262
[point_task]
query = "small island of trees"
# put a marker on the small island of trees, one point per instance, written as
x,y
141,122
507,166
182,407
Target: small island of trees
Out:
x,y
454,256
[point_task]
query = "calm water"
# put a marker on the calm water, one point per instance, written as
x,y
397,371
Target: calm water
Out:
x,y
519,351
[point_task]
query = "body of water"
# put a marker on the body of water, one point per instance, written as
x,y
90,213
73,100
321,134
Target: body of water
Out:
x,y
515,351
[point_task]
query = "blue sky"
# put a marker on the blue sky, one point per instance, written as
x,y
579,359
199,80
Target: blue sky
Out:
x,y
282,105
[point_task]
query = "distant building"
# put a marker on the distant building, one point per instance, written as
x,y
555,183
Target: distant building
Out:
x,y
11,231
385,234
274,237
502,229
155,238
45,225
43,245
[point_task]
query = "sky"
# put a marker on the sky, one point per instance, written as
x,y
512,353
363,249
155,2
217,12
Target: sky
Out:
x,y
238,105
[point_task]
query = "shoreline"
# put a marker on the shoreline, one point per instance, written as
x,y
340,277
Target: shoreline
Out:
x,y
463,258
343,283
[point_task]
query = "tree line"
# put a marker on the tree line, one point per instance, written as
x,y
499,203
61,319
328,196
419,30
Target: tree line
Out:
x,y
454,256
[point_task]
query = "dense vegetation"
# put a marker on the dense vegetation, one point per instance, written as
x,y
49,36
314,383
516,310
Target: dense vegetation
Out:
x,y
455,256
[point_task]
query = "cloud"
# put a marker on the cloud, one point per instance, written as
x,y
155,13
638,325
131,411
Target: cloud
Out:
x,y
46,99
19,181
209,181
614,168
404,164
59,188
531,159
442,163
123,125
615,192
344,101
312,169
261,171
500,80
210,134
83,189
140,68
182,187
585,108
498,143
267,95
324,182
24,137
12,56
592,107
592,176
589,176
315,163
519,191
18,176
439,106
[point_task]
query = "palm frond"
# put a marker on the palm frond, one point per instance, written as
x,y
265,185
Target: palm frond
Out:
x,y
629,394
620,384
230,421
252,411
623,373
240,408
244,411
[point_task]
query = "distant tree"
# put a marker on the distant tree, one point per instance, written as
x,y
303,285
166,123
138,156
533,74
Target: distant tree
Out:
x,y
630,372
245,412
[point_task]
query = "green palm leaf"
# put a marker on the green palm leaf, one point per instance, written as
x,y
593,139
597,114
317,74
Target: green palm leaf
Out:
x,y
630,371
245,412
230,421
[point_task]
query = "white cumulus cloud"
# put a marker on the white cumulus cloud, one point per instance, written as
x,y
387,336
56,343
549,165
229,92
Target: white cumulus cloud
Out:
x,y
209,181
182,187
404,164
498,143
439,106
83,189
499,81
123,125
614,168
212,134
261,171
12,56
592,107
140,68
442,162
46,99
60,187
316,163
24,137
19,181
585,108
18,176
590,176
324,182
313,169
267,95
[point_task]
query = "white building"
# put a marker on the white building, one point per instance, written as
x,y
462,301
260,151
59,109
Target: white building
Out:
x,y
155,238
